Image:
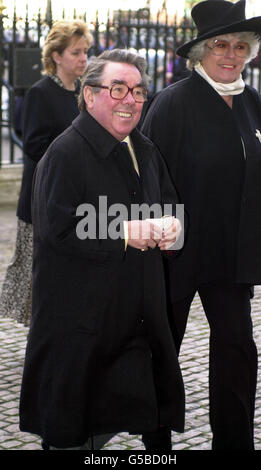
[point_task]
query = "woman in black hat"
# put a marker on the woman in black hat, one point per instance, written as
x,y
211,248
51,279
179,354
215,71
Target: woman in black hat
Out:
x,y
208,128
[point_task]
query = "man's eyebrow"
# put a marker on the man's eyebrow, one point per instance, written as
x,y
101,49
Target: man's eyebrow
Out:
x,y
123,82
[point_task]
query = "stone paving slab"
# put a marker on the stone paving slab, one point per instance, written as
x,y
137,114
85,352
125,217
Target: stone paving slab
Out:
x,y
193,359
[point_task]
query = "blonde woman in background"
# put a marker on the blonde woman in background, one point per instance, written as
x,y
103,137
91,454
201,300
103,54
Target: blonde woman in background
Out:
x,y
49,108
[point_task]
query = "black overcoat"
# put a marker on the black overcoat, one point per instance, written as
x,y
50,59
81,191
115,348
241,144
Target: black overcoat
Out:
x,y
214,158
100,356
48,109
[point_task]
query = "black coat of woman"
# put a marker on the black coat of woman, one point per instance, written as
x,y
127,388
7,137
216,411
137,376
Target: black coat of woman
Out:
x,y
48,109
217,177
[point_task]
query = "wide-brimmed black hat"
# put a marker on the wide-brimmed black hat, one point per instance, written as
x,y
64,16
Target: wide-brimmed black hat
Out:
x,y
215,17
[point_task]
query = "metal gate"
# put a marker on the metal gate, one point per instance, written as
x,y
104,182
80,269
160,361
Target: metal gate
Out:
x,y
154,37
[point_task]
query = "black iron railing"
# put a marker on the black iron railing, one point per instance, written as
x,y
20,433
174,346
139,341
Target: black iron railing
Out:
x,y
156,38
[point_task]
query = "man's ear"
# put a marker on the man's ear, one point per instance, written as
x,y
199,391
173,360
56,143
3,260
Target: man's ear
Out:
x,y
88,97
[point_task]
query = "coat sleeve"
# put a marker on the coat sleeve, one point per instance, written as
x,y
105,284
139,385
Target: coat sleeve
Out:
x,y
164,124
170,197
37,124
59,189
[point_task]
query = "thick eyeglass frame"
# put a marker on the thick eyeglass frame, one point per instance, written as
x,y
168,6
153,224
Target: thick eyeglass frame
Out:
x,y
222,53
129,90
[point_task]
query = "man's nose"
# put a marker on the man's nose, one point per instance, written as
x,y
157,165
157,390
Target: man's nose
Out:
x,y
129,98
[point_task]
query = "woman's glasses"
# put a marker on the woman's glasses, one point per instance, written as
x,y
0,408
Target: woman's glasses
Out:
x,y
220,47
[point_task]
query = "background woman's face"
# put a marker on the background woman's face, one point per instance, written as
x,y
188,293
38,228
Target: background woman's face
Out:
x,y
226,68
72,62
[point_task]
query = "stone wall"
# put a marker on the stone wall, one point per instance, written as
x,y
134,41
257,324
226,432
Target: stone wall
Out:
x,y
10,183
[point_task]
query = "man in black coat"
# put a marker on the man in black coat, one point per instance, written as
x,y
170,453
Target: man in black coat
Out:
x,y
100,357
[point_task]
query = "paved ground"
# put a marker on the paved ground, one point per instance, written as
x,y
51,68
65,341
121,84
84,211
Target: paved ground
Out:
x,y
194,363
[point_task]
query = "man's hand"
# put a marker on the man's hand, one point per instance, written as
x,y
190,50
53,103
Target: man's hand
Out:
x,y
170,235
143,234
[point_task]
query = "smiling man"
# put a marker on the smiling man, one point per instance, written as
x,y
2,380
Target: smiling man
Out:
x,y
100,357
113,106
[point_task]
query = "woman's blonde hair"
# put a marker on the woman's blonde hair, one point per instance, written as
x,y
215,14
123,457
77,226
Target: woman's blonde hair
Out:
x,y
59,38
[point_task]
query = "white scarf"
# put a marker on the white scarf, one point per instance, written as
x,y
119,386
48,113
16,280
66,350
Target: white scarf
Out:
x,y
223,89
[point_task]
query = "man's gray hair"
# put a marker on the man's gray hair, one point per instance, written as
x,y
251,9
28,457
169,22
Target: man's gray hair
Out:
x,y
94,70
198,51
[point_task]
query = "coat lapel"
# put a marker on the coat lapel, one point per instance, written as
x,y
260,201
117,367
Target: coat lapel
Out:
x,y
101,141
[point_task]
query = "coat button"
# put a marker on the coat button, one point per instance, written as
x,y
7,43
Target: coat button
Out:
x,y
133,193
140,320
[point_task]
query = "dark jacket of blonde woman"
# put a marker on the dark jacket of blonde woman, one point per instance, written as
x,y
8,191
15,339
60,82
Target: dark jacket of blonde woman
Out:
x,y
47,110
213,153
